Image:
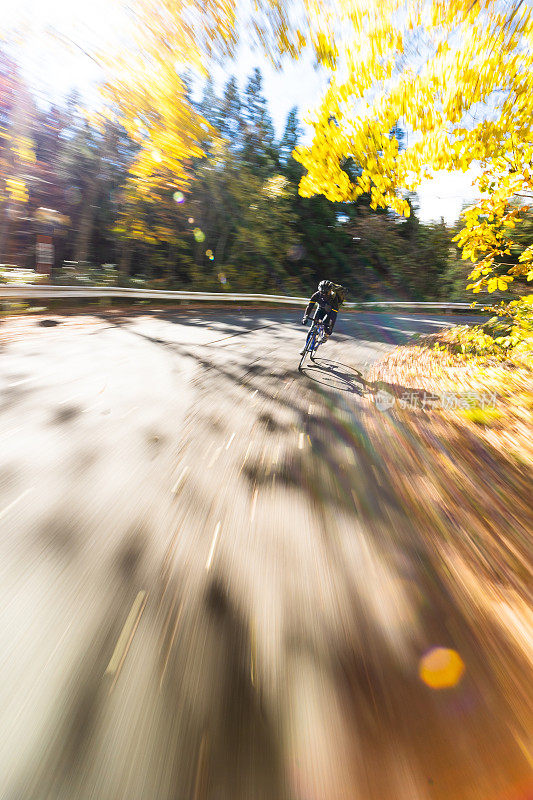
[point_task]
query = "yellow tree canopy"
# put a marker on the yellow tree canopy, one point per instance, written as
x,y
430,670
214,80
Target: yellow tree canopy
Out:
x,y
146,92
458,77
162,40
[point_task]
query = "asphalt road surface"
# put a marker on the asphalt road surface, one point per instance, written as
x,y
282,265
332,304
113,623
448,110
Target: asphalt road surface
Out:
x,y
209,590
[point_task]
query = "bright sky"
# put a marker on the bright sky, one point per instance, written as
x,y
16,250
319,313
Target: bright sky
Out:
x,y
445,195
53,70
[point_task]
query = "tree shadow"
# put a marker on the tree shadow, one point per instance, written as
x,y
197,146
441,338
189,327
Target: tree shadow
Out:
x,y
209,638
323,372
367,326
226,323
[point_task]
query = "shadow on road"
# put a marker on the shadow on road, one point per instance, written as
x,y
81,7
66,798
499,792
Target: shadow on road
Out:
x,y
337,568
367,326
336,375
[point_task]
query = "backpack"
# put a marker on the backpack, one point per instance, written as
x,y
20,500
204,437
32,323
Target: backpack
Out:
x,y
340,291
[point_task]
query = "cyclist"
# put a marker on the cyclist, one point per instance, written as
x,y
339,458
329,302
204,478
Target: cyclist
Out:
x,y
329,298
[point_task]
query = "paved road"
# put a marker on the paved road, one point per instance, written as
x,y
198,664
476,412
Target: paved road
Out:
x,y
210,589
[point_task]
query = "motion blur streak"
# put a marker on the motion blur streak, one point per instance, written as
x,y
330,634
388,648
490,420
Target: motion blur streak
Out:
x,y
234,581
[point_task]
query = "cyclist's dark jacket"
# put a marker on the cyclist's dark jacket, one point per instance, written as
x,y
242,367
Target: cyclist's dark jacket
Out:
x,y
328,306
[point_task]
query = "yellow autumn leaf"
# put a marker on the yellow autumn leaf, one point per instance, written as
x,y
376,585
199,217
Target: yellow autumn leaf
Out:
x,y
17,190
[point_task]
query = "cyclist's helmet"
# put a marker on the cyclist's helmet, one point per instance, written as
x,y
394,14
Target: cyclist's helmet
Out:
x,y
324,287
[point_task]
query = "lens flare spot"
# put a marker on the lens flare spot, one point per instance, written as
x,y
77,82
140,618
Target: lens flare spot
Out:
x,y
209,253
222,277
199,235
441,668
179,197
190,220
157,157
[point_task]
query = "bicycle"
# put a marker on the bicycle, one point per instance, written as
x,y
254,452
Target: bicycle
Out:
x,y
315,338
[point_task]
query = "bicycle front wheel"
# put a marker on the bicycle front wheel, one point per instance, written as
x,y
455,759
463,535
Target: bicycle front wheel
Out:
x,y
309,344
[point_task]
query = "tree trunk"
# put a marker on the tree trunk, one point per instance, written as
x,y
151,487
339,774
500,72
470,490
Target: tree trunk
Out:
x,y
221,247
125,259
4,233
86,222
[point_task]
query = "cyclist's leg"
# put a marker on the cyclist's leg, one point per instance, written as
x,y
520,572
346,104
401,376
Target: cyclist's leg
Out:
x,y
329,323
321,316
314,345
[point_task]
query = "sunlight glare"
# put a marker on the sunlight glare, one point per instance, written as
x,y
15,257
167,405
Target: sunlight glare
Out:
x,y
54,41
